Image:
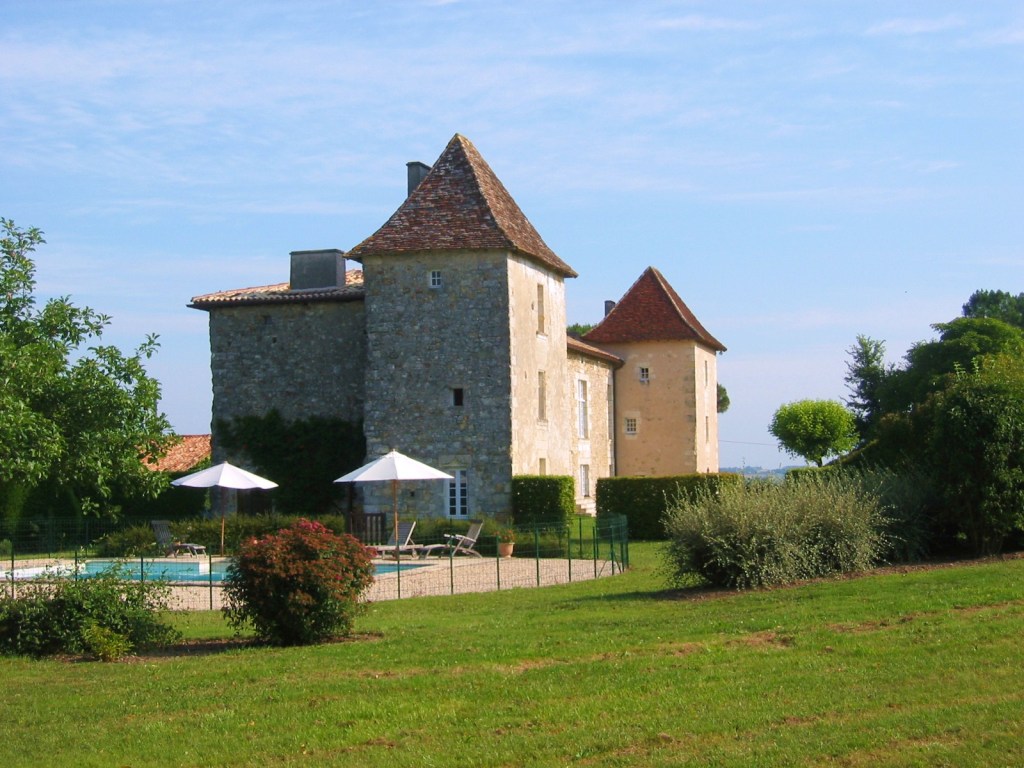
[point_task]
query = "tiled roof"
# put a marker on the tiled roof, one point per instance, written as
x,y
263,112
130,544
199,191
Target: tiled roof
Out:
x,y
183,456
651,311
460,205
582,348
282,293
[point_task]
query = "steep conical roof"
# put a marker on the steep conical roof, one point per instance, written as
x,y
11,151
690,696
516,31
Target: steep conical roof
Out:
x,y
651,311
460,204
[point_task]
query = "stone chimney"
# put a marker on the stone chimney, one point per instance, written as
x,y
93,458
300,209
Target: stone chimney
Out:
x,y
609,305
317,269
417,172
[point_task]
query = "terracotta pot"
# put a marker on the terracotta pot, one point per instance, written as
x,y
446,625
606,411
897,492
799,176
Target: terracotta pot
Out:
x,y
505,548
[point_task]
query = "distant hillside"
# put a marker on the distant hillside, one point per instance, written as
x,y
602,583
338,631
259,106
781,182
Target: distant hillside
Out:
x,y
760,471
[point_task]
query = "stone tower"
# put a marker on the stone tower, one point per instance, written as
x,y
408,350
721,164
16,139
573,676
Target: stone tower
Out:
x,y
666,392
465,306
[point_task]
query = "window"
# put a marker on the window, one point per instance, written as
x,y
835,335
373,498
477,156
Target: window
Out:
x,y
542,468
645,374
457,396
583,417
435,278
585,480
630,426
458,494
542,398
540,308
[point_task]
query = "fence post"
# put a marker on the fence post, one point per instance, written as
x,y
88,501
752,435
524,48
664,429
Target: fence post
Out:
x,y
497,563
451,571
568,546
209,572
536,550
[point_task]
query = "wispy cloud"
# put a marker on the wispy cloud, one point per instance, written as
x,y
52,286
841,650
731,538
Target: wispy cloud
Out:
x,y
919,26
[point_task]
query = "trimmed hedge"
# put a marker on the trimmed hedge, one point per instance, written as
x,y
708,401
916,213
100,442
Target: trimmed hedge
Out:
x,y
139,539
644,500
543,500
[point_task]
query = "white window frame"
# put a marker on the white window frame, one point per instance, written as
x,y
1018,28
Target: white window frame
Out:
x,y
630,426
458,494
585,481
644,374
435,278
582,410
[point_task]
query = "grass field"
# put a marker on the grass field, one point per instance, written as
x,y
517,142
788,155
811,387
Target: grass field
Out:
x,y
916,668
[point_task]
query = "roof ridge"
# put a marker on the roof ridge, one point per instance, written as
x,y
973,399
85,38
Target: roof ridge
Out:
x,y
460,204
651,310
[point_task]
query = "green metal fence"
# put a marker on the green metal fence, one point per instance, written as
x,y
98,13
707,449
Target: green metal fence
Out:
x,y
542,555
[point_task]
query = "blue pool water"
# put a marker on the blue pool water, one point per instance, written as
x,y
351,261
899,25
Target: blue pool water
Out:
x,y
179,571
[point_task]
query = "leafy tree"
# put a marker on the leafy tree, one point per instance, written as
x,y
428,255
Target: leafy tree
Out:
x,y
75,419
999,305
931,364
723,399
578,329
976,449
814,429
865,376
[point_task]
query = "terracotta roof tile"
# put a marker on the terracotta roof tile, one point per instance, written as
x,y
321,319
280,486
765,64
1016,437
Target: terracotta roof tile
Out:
x,y
651,311
183,456
581,347
282,293
460,204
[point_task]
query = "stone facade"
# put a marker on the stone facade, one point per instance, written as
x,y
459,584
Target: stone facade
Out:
x,y
304,359
450,346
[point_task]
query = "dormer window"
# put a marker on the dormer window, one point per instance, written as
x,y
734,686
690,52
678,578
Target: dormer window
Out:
x,y
435,278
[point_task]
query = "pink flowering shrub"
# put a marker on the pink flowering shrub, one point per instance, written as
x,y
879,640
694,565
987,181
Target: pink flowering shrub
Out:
x,y
298,586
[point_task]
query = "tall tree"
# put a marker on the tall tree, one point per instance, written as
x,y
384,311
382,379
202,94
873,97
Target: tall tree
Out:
x,y
814,429
975,444
723,400
865,376
76,417
1000,305
930,364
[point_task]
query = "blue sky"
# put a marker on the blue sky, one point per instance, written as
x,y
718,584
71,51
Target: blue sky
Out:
x,y
800,172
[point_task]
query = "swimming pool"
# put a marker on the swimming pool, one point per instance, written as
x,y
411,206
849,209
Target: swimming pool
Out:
x,y
190,571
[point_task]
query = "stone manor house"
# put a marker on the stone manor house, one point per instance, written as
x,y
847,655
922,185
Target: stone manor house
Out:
x,y
450,345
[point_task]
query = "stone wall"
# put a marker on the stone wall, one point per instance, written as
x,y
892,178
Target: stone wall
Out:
x,y
304,359
596,451
427,346
676,430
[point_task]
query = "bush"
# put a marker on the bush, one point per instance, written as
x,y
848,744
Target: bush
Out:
x,y
765,533
543,500
128,542
298,586
644,500
104,617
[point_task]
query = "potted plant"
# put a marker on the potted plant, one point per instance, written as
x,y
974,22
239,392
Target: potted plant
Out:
x,y
506,542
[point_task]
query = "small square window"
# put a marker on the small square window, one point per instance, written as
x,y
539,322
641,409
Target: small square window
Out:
x,y
457,396
435,278
630,426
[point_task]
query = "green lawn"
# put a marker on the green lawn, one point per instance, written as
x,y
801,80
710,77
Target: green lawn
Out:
x,y
916,668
